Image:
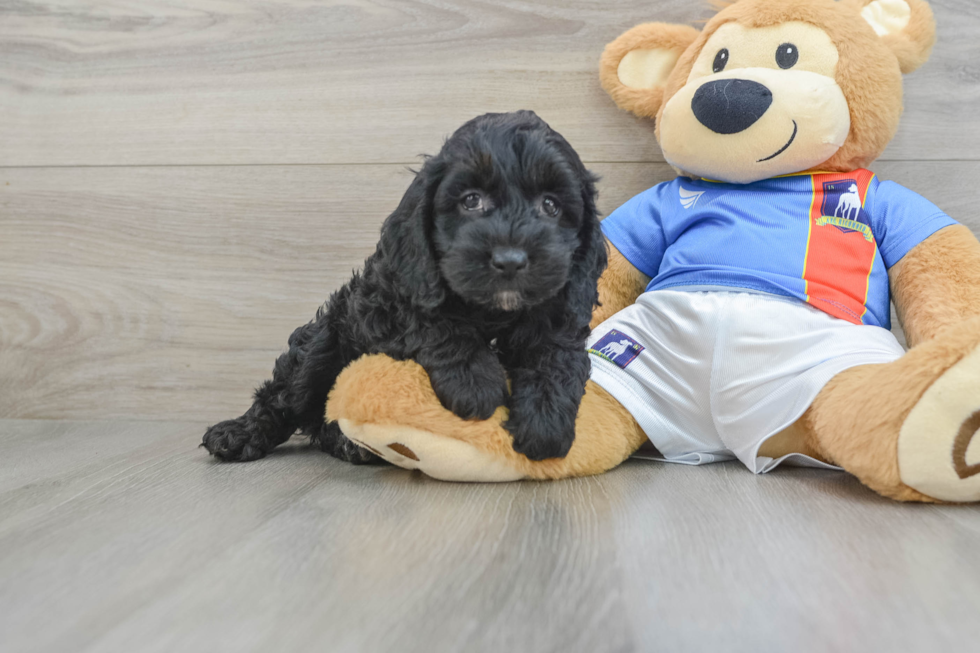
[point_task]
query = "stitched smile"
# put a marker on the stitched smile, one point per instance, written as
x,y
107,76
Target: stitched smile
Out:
x,y
783,148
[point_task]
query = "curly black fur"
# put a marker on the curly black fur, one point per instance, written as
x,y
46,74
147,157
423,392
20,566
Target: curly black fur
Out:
x,y
486,270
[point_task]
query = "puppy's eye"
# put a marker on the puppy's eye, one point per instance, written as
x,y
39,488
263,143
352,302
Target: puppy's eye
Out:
x,y
472,202
787,55
721,60
550,207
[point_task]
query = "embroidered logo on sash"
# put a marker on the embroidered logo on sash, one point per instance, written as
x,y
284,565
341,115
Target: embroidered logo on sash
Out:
x,y
617,348
842,208
847,226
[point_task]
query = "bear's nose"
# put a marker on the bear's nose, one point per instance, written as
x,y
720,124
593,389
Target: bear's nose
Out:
x,y
730,106
508,260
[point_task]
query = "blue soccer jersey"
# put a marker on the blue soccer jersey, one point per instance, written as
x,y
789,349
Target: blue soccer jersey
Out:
x,y
827,239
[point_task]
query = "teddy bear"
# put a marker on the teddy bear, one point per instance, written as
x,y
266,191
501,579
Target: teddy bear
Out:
x,y
745,310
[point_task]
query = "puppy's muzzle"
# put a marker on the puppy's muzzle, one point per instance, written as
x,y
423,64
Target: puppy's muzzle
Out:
x,y
508,261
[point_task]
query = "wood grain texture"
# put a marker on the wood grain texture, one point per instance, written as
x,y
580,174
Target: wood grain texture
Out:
x,y
137,541
364,81
163,293
169,292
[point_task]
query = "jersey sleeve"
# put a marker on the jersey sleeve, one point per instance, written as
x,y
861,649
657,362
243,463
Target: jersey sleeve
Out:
x,y
901,219
636,230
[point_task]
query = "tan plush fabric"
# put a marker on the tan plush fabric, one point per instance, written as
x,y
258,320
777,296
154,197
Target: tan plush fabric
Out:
x,y
379,391
808,110
446,459
619,286
937,284
939,443
644,102
856,419
914,44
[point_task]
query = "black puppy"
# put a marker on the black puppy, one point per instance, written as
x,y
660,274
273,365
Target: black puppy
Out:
x,y
486,271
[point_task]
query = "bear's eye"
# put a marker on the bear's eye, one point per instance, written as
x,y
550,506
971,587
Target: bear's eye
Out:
x,y
721,60
787,55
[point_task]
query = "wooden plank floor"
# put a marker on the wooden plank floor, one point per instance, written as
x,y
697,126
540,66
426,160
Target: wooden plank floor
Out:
x,y
183,182
121,536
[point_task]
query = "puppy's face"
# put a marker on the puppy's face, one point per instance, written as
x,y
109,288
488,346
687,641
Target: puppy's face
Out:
x,y
508,213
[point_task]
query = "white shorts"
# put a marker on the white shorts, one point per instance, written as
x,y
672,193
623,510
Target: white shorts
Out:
x,y
711,375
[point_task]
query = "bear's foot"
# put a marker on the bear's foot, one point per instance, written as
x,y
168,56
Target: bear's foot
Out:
x,y
939,444
907,429
434,455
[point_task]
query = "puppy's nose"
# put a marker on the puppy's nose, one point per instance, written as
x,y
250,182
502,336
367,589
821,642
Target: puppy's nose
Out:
x,y
508,260
730,106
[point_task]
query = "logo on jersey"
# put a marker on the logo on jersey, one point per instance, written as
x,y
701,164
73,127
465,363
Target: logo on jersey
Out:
x,y
689,197
842,208
617,348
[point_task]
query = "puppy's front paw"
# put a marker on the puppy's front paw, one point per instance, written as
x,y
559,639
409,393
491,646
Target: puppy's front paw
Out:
x,y
538,434
231,440
331,439
472,391
542,423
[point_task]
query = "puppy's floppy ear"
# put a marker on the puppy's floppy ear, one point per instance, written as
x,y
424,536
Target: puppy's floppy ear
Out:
x,y
405,243
906,27
635,67
590,258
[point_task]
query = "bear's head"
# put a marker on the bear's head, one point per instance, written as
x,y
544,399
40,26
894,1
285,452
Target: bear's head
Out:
x,y
772,87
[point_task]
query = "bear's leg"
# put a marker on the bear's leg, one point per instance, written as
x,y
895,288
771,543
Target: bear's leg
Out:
x,y
389,407
906,429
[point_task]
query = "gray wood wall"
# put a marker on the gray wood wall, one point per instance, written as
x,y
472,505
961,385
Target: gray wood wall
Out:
x,y
182,183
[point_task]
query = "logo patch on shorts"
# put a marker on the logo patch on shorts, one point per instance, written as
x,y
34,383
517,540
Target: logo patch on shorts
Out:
x,y
617,347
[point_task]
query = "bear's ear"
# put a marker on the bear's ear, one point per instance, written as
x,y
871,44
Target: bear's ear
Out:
x,y
906,27
635,67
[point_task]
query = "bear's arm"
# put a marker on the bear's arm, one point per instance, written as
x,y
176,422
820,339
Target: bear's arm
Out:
x,y
619,286
937,284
